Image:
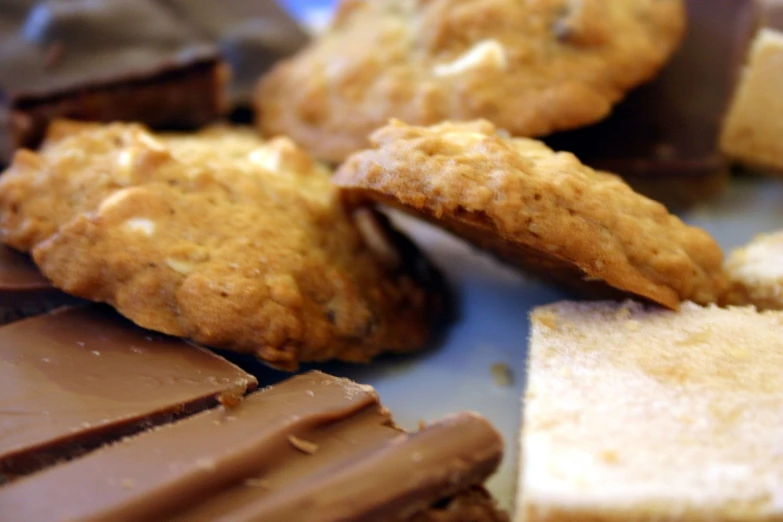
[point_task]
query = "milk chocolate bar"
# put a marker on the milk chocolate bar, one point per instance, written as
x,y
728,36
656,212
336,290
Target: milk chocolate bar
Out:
x,y
312,448
23,290
663,139
102,61
72,379
251,36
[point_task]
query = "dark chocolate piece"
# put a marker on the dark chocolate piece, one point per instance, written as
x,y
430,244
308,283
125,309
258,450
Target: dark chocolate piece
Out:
x,y
103,61
23,290
663,139
74,378
251,35
312,448
772,14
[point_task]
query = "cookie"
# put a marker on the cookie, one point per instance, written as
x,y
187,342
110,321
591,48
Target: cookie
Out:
x,y
754,123
220,238
541,210
635,414
530,67
755,273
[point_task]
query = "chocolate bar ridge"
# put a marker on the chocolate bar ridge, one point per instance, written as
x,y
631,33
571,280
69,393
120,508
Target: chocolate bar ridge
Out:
x,y
77,378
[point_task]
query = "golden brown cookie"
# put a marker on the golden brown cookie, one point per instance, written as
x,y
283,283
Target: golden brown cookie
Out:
x,y
539,209
221,238
755,273
531,67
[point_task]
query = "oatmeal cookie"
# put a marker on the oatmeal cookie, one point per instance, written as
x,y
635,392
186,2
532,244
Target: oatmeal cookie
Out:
x,y
221,238
755,273
532,67
541,210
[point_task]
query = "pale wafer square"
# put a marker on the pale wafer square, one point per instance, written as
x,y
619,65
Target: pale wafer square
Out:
x,y
645,414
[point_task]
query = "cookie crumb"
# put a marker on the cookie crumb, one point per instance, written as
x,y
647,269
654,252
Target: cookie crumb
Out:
x,y
502,374
303,445
232,397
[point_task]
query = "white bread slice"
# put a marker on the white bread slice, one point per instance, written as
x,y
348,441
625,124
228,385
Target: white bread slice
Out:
x,y
642,414
753,128
756,273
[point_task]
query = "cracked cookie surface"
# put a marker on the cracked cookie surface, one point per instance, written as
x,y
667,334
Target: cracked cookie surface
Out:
x,y
539,209
219,237
532,67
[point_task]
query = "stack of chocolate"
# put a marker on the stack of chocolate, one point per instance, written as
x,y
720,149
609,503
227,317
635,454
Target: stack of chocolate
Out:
x,y
313,447
167,63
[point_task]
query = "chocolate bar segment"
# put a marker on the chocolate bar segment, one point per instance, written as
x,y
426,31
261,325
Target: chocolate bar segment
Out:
x,y
313,448
772,14
663,139
103,61
73,379
23,290
250,34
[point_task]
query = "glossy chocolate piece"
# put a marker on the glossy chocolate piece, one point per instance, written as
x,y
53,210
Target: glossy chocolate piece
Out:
x,y
251,35
312,448
23,290
663,139
102,60
772,14
75,378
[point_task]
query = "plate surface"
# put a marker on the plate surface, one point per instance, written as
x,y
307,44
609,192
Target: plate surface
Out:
x,y
494,303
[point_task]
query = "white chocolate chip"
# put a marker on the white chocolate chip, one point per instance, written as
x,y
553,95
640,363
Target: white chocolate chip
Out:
x,y
125,158
465,139
150,141
114,199
267,158
183,267
142,225
487,53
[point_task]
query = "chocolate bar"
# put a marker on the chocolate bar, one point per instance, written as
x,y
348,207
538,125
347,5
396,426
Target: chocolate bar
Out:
x,y
102,61
250,34
663,139
23,290
75,378
772,14
312,448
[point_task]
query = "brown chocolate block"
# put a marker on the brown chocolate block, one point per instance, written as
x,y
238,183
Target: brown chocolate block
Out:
x,y
772,14
312,448
75,378
250,34
104,61
663,139
23,290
